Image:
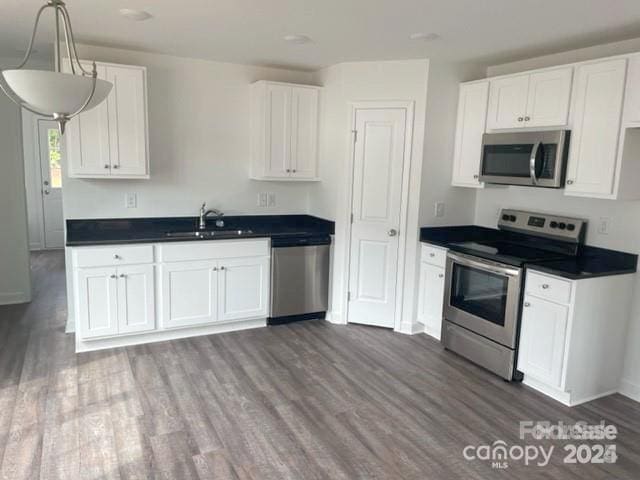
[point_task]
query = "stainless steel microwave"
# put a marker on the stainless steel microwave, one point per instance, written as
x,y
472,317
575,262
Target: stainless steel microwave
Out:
x,y
536,159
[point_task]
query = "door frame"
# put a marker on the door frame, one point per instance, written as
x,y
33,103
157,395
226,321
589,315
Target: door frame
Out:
x,y
409,106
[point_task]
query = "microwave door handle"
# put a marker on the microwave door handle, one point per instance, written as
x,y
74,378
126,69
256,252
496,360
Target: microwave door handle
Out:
x,y
532,162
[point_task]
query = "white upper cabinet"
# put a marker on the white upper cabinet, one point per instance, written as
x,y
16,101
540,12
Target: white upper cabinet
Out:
x,y
472,114
111,140
597,110
507,102
631,115
284,131
539,99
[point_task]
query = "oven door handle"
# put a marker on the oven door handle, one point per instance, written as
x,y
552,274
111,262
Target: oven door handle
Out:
x,y
489,267
532,162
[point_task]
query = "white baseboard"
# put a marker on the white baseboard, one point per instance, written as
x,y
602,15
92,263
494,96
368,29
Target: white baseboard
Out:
x,y
335,318
411,328
11,298
630,389
70,326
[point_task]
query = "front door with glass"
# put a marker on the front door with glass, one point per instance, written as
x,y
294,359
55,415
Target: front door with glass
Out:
x,y
50,154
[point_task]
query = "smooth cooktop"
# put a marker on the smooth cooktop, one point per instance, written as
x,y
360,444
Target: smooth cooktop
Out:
x,y
505,252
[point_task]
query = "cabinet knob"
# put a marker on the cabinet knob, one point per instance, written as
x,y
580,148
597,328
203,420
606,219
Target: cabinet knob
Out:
x,y
527,304
526,119
122,275
545,286
221,268
441,275
106,166
294,170
476,177
569,182
215,269
116,166
113,276
116,256
432,255
288,170
520,119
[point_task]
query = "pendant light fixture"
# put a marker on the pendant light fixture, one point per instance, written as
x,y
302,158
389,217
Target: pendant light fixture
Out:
x,y
53,94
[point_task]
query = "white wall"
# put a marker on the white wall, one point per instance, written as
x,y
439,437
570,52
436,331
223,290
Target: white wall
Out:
x,y
15,280
624,233
199,143
365,81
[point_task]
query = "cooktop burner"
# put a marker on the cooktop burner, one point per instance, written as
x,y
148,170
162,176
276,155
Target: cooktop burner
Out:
x,y
506,252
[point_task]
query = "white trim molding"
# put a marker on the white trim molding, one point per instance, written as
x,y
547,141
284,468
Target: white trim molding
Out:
x,y
630,389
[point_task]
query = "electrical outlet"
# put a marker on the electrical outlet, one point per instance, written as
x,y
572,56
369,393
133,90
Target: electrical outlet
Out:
x,y
271,199
439,209
603,225
130,200
263,199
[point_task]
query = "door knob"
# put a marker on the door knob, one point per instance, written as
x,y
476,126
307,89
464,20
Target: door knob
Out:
x,y
569,182
393,232
46,192
527,304
46,183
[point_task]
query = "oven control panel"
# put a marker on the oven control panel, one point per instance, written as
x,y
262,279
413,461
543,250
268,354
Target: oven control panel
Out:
x,y
543,224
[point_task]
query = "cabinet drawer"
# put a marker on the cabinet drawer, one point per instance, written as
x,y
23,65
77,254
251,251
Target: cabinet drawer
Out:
x,y
112,255
550,288
434,255
215,249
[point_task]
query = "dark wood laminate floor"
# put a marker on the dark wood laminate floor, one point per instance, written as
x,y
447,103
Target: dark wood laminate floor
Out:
x,y
305,401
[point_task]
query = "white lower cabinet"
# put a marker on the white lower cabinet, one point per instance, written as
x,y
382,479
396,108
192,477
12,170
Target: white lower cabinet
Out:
x,y
573,335
189,293
243,288
543,335
431,295
201,287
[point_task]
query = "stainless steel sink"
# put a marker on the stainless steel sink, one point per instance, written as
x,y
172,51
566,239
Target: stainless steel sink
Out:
x,y
209,234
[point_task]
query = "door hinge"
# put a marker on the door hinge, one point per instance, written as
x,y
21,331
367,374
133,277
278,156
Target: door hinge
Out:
x,y
355,135
348,296
351,218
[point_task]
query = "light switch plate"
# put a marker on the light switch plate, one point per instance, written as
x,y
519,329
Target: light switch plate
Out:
x,y
439,209
271,199
130,200
604,223
263,199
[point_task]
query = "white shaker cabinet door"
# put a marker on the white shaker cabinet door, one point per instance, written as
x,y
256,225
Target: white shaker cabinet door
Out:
x,y
97,300
189,293
136,299
470,126
598,92
507,102
548,100
304,132
542,339
243,288
278,131
431,298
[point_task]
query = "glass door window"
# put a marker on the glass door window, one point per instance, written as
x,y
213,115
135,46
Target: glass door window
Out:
x,y
54,157
479,293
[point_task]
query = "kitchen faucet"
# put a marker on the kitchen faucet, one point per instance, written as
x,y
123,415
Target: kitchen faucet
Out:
x,y
212,211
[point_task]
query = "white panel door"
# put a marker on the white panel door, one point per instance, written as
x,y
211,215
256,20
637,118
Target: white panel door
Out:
x,y
136,299
472,116
243,288
304,134
431,298
278,131
87,138
507,102
97,302
127,121
377,190
542,340
598,90
51,160
189,293
549,95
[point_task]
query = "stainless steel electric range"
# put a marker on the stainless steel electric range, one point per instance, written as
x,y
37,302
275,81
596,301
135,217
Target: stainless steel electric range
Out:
x,y
484,283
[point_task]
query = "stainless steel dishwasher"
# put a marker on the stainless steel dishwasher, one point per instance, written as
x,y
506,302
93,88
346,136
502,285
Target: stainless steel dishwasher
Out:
x,y
299,278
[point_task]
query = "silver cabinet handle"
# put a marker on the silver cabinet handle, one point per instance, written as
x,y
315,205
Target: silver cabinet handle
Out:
x,y
46,192
545,286
392,233
527,304
569,182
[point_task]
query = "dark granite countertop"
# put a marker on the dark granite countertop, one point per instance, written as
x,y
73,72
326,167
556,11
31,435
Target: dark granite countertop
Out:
x,y
590,262
85,232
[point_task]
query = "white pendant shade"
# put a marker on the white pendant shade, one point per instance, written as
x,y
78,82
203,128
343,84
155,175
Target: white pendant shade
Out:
x,y
53,92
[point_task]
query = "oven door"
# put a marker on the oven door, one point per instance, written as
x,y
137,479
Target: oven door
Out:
x,y
483,296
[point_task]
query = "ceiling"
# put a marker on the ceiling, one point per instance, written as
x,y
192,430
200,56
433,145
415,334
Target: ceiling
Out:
x,y
251,31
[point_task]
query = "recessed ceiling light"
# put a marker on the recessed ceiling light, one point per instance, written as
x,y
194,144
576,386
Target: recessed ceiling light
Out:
x,y
425,37
297,39
137,15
